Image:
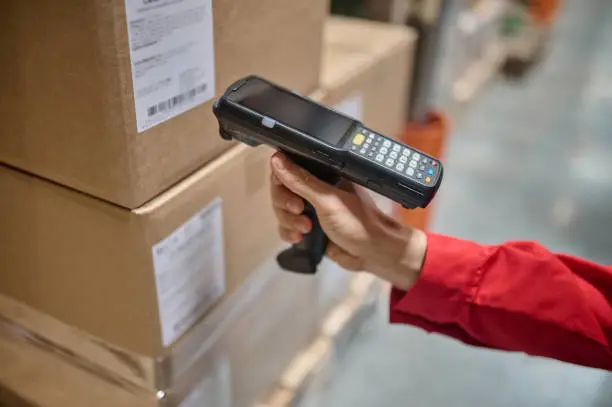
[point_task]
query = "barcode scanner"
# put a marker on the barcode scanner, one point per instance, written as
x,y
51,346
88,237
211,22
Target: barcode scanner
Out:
x,y
329,145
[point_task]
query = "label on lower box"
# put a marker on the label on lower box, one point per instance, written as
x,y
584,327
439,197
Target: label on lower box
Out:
x,y
214,390
352,106
172,57
190,271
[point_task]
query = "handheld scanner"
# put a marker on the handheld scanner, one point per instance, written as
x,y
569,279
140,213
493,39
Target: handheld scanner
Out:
x,y
328,144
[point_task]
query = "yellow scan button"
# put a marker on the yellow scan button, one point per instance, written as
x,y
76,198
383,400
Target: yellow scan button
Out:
x,y
428,180
358,139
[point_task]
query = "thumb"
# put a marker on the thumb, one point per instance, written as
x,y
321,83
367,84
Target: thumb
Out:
x,y
298,180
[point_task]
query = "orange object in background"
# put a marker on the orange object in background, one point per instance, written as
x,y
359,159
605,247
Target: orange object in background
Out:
x,y
430,138
544,12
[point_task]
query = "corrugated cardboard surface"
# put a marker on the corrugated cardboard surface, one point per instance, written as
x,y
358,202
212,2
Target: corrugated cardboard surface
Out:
x,y
67,108
270,320
373,59
32,377
89,263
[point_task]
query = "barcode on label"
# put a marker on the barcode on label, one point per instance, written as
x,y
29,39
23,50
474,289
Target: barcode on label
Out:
x,y
177,100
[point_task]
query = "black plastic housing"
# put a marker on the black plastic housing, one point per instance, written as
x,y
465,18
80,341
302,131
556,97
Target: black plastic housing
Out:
x,y
245,125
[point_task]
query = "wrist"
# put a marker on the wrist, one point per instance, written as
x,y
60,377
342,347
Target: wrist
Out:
x,y
401,256
412,258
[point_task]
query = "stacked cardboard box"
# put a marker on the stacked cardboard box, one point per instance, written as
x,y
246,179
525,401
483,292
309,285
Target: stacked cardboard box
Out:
x,y
239,354
114,97
126,218
166,303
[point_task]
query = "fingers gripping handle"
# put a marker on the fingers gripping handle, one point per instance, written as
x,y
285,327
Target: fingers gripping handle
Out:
x,y
305,256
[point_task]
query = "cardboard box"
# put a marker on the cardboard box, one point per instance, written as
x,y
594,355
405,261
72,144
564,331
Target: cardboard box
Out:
x,y
368,65
75,111
33,377
244,358
137,279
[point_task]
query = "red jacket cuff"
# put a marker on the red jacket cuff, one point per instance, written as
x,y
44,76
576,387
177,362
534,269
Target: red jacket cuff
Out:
x,y
449,278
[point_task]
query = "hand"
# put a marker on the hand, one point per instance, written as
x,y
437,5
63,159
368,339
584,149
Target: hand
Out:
x,y
362,238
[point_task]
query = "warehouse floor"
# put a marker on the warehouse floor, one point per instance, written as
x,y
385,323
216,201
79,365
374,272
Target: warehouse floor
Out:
x,y
529,161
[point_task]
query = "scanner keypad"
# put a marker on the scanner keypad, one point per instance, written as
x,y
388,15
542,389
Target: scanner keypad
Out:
x,y
394,156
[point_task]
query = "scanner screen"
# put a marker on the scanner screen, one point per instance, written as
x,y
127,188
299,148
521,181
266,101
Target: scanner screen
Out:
x,y
293,111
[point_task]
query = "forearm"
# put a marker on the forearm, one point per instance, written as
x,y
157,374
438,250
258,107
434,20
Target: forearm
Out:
x,y
516,296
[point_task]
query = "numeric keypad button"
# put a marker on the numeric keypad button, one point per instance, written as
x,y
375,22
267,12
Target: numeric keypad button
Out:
x,y
397,148
399,167
403,159
410,171
416,156
384,150
393,155
380,158
386,143
413,164
406,152
389,162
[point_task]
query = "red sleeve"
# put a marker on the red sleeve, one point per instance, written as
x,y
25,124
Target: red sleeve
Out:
x,y
517,296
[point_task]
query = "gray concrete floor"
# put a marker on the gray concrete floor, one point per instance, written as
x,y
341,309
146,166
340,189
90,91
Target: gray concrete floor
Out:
x,y
530,161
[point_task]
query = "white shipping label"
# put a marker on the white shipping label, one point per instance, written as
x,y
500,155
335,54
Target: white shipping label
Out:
x,y
215,390
190,271
352,106
172,56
